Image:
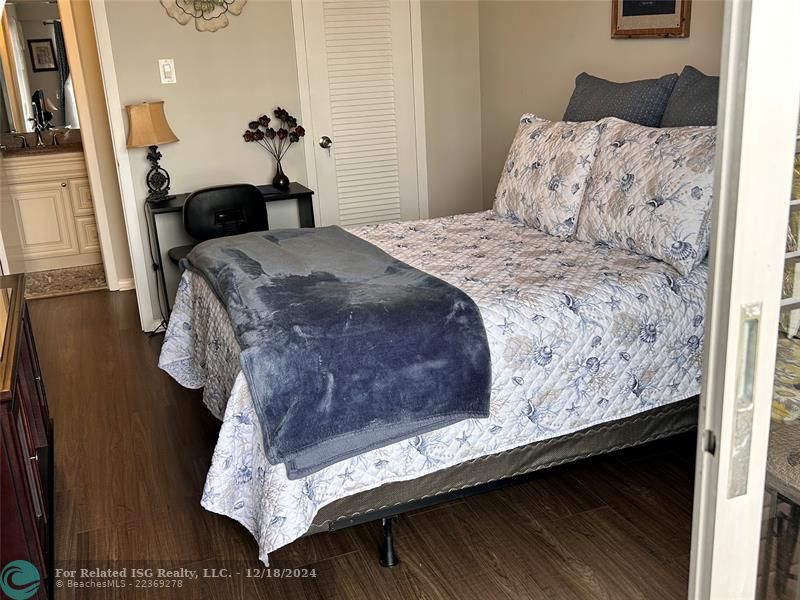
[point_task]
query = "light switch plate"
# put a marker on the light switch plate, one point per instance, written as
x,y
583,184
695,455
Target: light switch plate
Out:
x,y
166,66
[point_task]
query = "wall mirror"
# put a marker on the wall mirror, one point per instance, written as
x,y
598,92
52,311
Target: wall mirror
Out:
x,y
36,83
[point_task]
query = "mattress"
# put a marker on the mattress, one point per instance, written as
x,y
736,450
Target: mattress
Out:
x,y
579,335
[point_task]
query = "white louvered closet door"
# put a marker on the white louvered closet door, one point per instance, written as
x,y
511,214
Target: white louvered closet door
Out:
x,y
360,79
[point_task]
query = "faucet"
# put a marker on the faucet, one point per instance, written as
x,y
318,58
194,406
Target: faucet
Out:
x,y
24,140
38,127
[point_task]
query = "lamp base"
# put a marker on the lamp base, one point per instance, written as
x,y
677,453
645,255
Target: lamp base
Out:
x,y
157,177
158,197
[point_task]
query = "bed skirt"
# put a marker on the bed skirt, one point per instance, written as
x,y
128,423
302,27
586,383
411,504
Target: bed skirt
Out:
x,y
462,479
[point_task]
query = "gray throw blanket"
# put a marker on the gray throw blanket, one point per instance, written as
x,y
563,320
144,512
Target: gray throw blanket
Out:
x,y
344,348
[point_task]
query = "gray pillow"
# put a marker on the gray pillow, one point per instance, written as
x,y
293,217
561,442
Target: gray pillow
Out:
x,y
641,102
693,101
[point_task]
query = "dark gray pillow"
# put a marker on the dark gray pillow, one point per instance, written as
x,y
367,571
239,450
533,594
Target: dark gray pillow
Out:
x,y
693,101
641,102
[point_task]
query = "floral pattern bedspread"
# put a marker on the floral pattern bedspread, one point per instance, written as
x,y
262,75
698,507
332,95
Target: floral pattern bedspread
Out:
x,y
579,334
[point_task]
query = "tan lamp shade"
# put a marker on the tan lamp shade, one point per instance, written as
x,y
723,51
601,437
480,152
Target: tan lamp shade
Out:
x,y
148,125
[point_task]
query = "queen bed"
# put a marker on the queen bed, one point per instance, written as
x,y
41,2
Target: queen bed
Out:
x,y
589,276
592,349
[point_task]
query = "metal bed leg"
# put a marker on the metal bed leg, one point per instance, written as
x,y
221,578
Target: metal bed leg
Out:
x,y
387,556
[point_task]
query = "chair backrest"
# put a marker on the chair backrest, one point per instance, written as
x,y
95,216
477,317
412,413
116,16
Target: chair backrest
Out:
x,y
224,210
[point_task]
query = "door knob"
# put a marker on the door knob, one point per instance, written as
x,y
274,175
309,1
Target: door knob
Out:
x,y
325,142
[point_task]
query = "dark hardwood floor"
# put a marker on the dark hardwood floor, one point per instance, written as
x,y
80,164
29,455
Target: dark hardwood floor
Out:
x,y
133,448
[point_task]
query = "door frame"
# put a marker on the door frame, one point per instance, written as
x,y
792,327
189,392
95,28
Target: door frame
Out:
x,y
758,111
90,147
9,68
146,298
301,54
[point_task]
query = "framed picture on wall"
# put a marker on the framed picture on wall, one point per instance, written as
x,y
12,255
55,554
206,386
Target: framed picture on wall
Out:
x,y
43,55
650,18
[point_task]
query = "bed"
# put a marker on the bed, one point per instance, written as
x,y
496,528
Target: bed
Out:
x,y
592,349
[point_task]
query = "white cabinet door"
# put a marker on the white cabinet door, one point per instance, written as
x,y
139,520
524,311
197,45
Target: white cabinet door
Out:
x,y
361,88
81,196
45,220
50,200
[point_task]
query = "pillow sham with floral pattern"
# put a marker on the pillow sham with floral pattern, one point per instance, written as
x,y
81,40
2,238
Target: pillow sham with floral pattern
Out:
x,y
544,177
650,191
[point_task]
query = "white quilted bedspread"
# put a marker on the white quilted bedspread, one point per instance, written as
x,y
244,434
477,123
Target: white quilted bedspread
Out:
x,y
579,335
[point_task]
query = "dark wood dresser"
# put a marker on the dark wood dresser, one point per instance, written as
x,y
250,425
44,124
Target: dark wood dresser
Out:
x,y
26,443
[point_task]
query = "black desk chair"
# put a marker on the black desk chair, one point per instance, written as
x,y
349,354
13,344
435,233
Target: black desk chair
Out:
x,y
221,211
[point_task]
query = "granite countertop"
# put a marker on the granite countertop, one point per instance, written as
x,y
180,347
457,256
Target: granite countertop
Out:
x,y
35,151
69,140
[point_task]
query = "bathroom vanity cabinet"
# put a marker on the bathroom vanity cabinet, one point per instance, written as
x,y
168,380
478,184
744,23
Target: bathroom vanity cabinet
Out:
x,y
52,202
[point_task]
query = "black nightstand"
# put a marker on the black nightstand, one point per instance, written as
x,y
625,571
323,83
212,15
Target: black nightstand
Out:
x,y
174,204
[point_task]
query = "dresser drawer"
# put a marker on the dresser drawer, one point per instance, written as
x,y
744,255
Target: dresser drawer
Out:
x,y
32,360
26,437
24,532
29,391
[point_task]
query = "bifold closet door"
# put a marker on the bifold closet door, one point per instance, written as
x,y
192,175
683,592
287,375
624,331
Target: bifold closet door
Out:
x,y
361,89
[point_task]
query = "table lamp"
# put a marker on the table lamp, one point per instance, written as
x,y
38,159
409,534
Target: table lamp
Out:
x,y
148,128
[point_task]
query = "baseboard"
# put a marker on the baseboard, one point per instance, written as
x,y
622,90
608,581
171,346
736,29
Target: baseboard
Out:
x,y
126,284
87,259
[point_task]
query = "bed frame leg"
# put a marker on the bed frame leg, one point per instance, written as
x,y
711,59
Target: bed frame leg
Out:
x,y
387,556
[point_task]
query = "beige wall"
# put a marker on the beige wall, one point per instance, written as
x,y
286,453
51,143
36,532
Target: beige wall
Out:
x,y
228,77
451,68
109,193
238,72
532,50
224,80
485,62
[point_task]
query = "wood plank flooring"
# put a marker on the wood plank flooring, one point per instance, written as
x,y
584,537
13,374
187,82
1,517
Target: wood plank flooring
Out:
x,y
133,448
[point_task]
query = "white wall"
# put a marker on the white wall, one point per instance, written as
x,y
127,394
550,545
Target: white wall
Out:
x,y
531,51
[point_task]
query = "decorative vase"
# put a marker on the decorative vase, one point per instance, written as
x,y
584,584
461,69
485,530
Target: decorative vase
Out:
x,y
280,181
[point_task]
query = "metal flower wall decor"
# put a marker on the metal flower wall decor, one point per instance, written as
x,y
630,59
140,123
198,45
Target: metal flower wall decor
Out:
x,y
208,15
